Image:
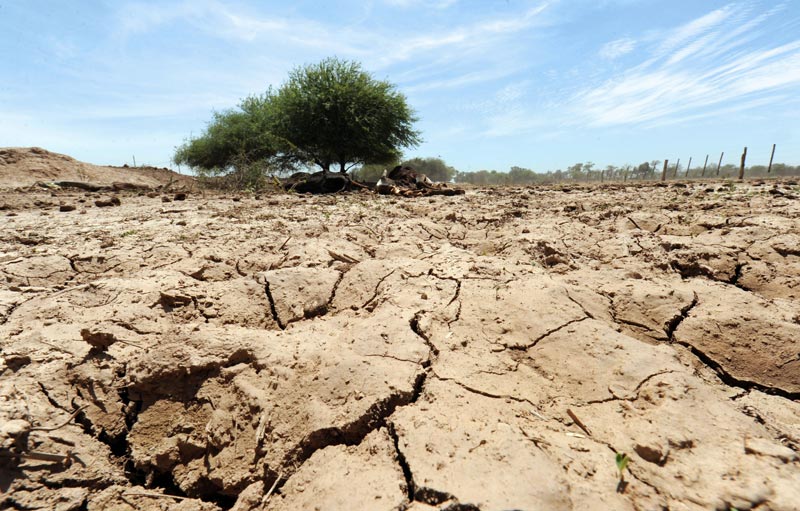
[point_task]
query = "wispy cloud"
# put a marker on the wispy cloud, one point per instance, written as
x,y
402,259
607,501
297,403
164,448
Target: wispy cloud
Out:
x,y
615,49
698,69
470,78
482,35
435,4
220,20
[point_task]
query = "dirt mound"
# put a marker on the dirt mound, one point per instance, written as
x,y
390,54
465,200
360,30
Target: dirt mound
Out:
x,y
370,352
25,166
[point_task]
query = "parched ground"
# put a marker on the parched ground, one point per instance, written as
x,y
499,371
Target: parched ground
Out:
x,y
491,351
27,166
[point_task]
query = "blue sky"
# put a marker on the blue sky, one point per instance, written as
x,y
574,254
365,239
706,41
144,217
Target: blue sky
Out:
x,y
540,84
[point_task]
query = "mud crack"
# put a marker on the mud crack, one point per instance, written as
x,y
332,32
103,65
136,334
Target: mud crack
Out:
x,y
417,329
375,417
368,304
422,494
634,394
673,324
492,396
524,347
731,381
272,308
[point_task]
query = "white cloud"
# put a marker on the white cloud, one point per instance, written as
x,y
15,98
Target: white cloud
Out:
x,y
218,19
700,69
461,80
615,49
695,28
479,35
434,4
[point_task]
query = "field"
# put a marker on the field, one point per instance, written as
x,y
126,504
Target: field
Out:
x,y
489,351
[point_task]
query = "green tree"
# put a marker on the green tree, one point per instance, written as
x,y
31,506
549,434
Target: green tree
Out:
x,y
331,113
588,168
334,113
372,171
237,143
575,171
435,168
521,176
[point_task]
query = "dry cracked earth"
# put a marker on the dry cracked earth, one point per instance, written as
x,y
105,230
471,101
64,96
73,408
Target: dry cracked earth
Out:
x,y
491,351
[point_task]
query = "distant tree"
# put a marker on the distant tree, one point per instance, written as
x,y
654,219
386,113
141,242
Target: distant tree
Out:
x,y
435,168
522,176
643,170
372,171
335,113
575,172
626,171
588,168
656,166
728,170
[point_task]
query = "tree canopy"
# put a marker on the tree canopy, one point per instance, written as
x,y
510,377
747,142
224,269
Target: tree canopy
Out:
x,y
334,113
330,114
233,136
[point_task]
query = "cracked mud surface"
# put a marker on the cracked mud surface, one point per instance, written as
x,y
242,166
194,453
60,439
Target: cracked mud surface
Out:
x,y
368,352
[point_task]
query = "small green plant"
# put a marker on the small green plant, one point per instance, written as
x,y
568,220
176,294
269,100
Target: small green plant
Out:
x,y
622,464
128,233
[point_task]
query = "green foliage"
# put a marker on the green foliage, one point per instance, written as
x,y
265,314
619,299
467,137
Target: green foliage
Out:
x,y
334,113
238,149
373,171
622,464
331,113
232,135
435,168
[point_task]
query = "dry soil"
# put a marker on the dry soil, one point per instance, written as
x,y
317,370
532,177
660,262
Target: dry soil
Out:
x,y
492,351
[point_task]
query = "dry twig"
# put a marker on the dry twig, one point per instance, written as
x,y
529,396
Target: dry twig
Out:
x,y
344,258
578,422
272,489
69,419
154,495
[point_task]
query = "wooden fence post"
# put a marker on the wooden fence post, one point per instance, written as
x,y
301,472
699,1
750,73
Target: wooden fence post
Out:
x,y
688,168
769,169
664,172
719,165
675,174
741,168
704,167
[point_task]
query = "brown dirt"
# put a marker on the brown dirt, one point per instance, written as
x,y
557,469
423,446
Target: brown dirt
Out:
x,y
26,166
369,352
